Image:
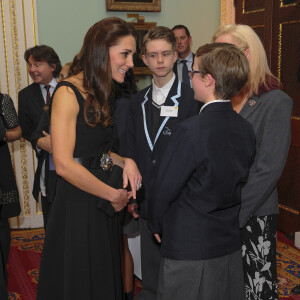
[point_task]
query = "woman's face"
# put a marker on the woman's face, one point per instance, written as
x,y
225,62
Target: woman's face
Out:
x,y
121,57
226,38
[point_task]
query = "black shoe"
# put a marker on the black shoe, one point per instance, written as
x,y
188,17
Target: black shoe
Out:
x,y
296,289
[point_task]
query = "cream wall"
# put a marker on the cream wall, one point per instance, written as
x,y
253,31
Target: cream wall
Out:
x,y
62,24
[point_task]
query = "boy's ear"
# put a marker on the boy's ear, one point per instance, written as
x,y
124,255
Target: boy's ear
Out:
x,y
175,56
145,60
209,80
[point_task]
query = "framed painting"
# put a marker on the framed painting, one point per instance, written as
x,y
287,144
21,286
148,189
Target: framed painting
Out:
x,y
133,5
142,28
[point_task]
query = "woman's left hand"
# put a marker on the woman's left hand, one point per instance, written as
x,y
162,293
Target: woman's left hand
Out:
x,y
132,174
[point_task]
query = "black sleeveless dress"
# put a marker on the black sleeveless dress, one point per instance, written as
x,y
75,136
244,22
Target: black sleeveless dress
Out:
x,y
81,256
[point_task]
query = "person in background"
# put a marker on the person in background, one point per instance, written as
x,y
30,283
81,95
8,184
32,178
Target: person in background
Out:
x,y
43,67
154,112
268,109
64,72
122,94
185,59
81,255
206,163
10,131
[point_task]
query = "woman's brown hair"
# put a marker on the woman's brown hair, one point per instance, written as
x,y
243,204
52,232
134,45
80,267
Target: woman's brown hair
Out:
x,y
93,60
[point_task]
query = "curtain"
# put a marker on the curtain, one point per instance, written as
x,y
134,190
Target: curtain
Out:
x,y
19,32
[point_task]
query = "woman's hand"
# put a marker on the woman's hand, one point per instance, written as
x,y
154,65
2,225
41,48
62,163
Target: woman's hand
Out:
x,y
119,200
132,174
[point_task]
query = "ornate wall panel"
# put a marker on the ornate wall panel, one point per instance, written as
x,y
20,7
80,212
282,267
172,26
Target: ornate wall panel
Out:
x,y
18,32
227,12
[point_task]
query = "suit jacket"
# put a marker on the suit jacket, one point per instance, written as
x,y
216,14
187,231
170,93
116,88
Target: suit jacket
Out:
x,y
197,192
31,104
146,152
269,115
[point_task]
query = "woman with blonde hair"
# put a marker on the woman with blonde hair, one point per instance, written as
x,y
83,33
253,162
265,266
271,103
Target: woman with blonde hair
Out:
x,y
268,109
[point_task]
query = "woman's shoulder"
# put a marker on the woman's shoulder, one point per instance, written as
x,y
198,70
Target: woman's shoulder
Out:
x,y
276,97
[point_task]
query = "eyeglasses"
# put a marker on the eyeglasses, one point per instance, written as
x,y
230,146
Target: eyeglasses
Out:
x,y
191,74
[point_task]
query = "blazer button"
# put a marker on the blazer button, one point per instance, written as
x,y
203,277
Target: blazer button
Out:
x,y
154,161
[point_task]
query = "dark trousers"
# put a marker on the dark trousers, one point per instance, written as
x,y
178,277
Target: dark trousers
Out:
x,y
46,205
4,251
150,261
219,278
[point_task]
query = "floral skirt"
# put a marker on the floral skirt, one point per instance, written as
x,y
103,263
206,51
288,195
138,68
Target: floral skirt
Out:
x,y
259,258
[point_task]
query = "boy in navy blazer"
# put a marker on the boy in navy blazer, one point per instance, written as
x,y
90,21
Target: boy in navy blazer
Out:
x,y
194,211
154,113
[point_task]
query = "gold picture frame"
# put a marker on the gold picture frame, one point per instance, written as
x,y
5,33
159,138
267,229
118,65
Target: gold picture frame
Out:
x,y
134,5
142,28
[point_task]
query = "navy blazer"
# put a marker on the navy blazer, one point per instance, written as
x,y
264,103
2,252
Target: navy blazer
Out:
x,y
197,192
146,152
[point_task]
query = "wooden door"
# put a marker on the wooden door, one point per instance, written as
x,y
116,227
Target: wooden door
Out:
x,y
277,23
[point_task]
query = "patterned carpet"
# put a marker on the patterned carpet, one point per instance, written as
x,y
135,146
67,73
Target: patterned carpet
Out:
x,y
26,248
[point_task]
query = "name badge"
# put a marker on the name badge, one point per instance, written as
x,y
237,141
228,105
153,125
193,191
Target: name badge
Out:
x,y
169,111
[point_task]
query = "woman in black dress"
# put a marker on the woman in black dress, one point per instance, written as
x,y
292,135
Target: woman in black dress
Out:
x,y
81,256
10,131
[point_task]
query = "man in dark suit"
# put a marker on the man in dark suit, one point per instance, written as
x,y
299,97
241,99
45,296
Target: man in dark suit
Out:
x,y
196,201
43,67
154,113
185,59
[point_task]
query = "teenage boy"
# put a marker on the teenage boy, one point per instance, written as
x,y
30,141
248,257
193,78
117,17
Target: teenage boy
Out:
x,y
154,113
196,197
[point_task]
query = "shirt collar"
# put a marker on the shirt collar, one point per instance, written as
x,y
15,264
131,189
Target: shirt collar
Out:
x,y
163,90
52,83
214,101
189,58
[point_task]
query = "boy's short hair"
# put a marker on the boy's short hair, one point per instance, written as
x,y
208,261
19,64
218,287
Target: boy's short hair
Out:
x,y
159,33
227,65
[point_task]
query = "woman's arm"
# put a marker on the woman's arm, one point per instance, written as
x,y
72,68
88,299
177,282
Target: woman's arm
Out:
x,y
13,134
270,158
63,135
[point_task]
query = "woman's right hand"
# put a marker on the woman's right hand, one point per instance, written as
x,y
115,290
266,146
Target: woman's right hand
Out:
x,y
120,200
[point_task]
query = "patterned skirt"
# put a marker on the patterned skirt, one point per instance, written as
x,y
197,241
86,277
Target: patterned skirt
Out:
x,y
259,258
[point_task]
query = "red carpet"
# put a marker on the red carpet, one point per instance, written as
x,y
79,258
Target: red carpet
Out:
x,y
25,255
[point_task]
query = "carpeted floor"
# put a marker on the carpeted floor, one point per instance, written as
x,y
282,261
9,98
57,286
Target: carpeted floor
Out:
x,y
26,248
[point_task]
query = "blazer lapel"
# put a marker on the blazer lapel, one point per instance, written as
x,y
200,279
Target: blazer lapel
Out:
x,y
38,95
170,101
250,106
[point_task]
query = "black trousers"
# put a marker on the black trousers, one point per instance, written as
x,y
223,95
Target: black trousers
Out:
x,y
4,251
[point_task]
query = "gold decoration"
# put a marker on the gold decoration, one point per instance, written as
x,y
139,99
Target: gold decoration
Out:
x,y
291,210
227,12
5,46
16,61
250,11
287,5
280,45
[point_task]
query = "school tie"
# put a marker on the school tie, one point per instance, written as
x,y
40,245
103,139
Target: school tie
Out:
x,y
47,88
185,73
